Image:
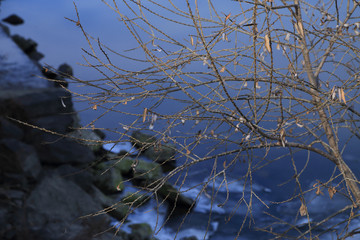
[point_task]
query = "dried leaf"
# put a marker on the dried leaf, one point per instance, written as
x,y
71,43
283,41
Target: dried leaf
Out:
x,y
278,46
267,43
287,37
188,151
299,124
343,95
94,107
144,114
303,210
237,127
318,190
228,16
192,40
333,93
223,69
282,136
332,191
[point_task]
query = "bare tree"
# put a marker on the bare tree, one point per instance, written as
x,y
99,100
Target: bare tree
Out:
x,y
263,77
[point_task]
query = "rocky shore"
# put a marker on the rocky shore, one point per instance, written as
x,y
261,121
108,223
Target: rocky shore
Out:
x,y
57,181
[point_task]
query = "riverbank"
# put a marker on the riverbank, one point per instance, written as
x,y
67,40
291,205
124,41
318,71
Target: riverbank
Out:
x,y
57,181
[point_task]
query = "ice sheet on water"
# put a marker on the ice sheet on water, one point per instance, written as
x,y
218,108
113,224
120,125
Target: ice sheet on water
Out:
x,y
119,147
155,217
205,203
235,186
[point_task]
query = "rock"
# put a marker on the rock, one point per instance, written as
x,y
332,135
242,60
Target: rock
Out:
x,y
189,238
35,55
56,123
56,209
82,177
135,199
65,70
175,199
55,150
112,207
142,140
18,157
13,19
8,129
147,172
110,236
141,231
139,170
88,138
35,103
49,73
109,180
100,133
119,211
161,154
27,45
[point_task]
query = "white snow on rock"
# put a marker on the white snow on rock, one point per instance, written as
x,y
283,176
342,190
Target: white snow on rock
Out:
x,y
16,68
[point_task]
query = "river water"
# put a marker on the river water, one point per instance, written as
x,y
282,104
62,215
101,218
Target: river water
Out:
x,y
61,42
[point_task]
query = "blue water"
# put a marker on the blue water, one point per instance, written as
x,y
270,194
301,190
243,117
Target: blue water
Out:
x,y
61,42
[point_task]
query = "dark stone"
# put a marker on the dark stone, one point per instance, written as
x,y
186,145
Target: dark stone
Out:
x,y
109,180
8,129
35,55
176,200
100,133
142,172
53,75
58,209
141,231
114,208
18,157
61,123
55,150
34,103
65,70
27,45
189,238
135,199
82,177
86,137
60,82
48,73
142,141
13,19
161,154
